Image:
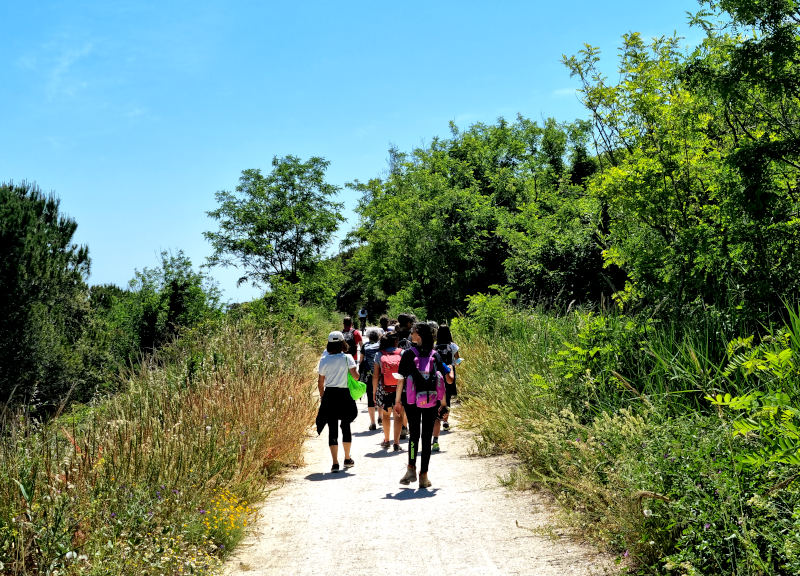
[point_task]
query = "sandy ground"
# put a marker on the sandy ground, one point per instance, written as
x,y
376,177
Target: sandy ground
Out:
x,y
363,522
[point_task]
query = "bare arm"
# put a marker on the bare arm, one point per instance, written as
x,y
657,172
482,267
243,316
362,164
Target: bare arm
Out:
x,y
321,385
354,373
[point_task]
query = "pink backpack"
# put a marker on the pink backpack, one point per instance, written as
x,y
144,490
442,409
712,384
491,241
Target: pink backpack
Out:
x,y
426,387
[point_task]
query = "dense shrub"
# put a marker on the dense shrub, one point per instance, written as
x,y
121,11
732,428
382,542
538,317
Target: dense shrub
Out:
x,y
611,414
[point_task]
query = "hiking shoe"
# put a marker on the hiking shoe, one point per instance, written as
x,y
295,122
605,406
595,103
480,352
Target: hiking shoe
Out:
x,y
349,463
397,447
373,427
409,477
335,468
423,481
446,426
435,447
403,433
385,444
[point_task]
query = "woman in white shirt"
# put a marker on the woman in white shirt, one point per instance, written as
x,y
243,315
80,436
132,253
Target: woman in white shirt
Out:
x,y
336,403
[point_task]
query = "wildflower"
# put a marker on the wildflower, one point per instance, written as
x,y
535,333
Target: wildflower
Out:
x,y
208,427
625,555
707,526
647,512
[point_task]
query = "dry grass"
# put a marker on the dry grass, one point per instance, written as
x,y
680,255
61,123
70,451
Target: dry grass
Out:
x,y
128,486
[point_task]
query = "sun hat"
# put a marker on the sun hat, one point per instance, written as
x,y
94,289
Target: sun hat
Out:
x,y
335,336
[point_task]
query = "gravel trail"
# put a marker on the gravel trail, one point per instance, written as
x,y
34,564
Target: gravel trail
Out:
x,y
363,522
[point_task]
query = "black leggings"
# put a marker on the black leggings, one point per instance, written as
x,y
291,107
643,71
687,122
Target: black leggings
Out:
x,y
339,398
370,401
333,433
427,418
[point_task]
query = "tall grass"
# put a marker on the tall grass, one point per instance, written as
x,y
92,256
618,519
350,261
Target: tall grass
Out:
x,y
608,413
158,479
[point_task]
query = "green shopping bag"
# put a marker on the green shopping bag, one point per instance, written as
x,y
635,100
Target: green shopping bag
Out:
x,y
357,388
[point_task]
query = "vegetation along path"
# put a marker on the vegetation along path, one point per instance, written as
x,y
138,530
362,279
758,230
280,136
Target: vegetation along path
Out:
x,y
362,521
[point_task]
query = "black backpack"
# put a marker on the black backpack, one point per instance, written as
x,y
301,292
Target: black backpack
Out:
x,y
350,338
446,353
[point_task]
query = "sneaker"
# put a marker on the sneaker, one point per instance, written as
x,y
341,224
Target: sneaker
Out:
x,y
409,477
349,463
385,444
435,447
335,468
373,427
380,420
397,447
403,433
423,481
446,426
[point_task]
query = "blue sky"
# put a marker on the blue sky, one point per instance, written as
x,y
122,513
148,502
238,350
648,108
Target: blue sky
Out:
x,y
135,113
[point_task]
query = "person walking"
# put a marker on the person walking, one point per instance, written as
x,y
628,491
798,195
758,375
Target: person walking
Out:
x,y
387,362
422,395
362,316
405,323
352,337
384,322
336,404
367,367
448,351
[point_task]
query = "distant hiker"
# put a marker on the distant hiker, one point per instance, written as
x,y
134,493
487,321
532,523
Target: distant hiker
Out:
x,y
352,337
448,351
422,394
362,316
337,404
366,370
387,362
404,324
384,322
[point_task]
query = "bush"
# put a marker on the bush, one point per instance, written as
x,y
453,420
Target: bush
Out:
x,y
608,414
157,479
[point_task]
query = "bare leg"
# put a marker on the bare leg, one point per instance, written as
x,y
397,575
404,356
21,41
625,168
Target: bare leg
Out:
x,y
372,415
387,423
335,452
346,450
436,428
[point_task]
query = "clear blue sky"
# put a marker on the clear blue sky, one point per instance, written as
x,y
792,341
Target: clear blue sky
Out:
x,y
136,112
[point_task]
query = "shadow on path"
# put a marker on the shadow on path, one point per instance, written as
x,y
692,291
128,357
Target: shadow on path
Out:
x,y
318,476
412,494
385,453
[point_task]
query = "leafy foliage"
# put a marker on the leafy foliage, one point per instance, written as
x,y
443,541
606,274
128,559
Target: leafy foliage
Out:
x,y
276,227
43,308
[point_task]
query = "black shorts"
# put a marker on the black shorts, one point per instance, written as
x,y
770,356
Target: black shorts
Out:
x,y
388,401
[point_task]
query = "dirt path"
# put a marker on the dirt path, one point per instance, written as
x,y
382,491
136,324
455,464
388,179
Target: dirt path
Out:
x,y
363,522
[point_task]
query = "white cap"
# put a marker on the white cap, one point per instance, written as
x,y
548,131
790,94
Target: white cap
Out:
x,y
335,336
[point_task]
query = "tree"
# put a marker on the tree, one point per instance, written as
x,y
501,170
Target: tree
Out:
x,y
43,296
276,227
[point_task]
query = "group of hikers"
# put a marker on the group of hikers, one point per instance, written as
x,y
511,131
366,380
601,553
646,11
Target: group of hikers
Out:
x,y
409,371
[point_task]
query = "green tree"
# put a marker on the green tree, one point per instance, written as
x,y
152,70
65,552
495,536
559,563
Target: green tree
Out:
x,y
43,296
276,227
158,303
493,204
